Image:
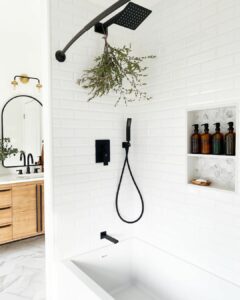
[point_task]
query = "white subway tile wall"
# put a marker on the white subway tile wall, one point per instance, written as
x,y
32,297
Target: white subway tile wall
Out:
x,y
84,192
197,43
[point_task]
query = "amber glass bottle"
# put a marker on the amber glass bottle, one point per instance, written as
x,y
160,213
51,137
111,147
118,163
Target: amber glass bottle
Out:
x,y
217,141
206,140
196,141
230,140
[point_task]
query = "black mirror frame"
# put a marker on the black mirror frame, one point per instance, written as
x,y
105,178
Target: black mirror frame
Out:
x,y
2,130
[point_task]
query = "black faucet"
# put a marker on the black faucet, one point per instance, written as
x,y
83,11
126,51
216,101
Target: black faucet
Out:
x,y
23,157
28,162
103,235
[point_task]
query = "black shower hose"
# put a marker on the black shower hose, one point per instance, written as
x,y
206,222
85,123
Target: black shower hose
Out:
x,y
126,162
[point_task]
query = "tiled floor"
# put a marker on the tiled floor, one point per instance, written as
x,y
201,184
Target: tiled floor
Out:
x,y
22,275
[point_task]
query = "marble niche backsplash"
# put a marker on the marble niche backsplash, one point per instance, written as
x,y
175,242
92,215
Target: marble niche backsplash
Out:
x,y
220,172
222,115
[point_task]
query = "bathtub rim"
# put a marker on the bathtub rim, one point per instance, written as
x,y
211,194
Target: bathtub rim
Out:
x,y
85,278
100,292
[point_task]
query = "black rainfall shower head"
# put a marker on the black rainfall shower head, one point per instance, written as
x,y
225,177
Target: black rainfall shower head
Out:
x,y
130,17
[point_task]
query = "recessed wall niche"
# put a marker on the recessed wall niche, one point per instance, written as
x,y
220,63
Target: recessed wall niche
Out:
x,y
220,170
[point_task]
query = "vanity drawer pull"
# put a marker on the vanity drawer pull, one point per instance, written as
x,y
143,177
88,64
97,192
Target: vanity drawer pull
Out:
x,y
41,208
37,216
4,208
5,226
6,190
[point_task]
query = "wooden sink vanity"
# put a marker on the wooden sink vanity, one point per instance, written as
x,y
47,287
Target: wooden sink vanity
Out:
x,y
22,194
21,210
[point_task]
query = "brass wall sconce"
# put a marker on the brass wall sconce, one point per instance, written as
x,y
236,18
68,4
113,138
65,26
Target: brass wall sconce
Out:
x,y
25,79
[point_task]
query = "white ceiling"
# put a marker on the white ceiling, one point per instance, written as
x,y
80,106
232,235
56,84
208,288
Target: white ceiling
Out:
x,y
107,3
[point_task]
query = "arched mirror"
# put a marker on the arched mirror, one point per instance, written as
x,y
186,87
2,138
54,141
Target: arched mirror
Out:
x,y
21,122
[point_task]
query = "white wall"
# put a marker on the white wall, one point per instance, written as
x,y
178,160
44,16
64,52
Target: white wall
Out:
x,y
20,31
83,191
198,46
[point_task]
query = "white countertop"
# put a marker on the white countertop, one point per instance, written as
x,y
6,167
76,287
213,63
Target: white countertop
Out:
x,y
11,179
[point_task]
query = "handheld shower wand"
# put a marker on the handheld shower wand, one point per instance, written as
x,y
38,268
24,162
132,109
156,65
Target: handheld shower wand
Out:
x,y
126,145
128,129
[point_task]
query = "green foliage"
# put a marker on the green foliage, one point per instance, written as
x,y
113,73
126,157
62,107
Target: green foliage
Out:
x,y
6,149
118,71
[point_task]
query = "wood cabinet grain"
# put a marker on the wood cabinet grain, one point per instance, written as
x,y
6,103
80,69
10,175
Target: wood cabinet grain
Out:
x,y
5,233
5,197
5,216
21,211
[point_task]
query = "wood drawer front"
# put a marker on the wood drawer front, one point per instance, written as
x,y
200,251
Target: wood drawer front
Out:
x,y
5,198
5,216
5,234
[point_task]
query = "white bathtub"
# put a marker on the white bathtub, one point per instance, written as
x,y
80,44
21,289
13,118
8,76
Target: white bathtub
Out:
x,y
135,270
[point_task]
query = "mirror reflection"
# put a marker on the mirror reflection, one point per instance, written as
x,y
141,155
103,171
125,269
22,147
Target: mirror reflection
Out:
x,y
22,124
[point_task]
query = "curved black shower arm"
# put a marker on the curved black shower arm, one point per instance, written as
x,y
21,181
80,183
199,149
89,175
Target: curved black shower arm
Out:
x,y
60,54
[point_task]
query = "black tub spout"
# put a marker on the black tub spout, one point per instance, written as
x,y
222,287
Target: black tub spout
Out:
x,y
104,235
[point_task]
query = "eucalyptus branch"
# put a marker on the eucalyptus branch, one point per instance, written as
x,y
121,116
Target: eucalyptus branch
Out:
x,y
118,71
